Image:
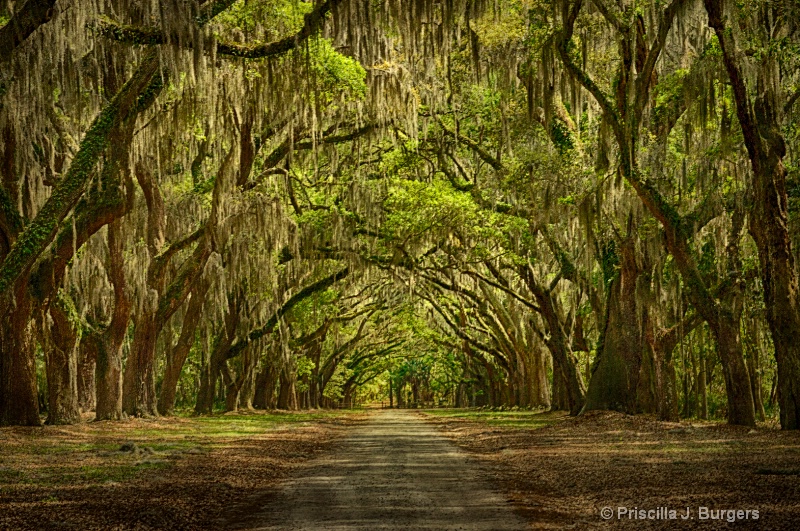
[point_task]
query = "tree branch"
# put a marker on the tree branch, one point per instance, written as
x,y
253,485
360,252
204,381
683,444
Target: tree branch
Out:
x,y
25,21
148,35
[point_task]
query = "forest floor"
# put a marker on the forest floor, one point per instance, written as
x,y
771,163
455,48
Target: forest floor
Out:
x,y
165,473
562,472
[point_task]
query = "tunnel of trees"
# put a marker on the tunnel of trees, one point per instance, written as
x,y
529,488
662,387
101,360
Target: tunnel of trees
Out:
x,y
581,205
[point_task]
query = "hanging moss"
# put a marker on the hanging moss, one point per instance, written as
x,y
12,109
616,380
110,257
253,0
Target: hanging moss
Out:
x,y
41,230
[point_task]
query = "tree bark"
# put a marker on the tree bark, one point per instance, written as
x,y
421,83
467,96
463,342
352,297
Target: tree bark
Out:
x,y
265,386
108,342
19,404
615,378
558,343
287,396
62,366
176,357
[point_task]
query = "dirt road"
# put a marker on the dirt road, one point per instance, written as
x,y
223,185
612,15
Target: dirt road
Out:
x,y
393,472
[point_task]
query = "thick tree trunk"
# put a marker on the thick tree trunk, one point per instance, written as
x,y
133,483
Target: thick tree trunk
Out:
x,y
769,228
248,380
665,385
564,359
108,379
208,381
266,381
558,342
232,388
615,378
754,368
62,368
139,397
661,345
108,343
741,409
560,400
540,393
19,404
287,396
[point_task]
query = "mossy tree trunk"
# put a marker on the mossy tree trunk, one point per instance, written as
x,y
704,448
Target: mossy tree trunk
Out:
x,y
108,342
139,396
615,378
87,362
62,364
109,135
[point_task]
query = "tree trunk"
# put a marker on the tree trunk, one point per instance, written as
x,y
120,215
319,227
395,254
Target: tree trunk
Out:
x,y
287,398
769,228
741,410
702,382
540,384
754,368
62,367
558,343
87,394
108,343
265,387
19,404
248,377
139,384
615,378
176,357
232,388
208,381
560,400
665,385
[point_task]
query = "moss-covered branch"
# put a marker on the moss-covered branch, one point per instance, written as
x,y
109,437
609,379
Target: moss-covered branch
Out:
x,y
141,35
135,96
298,297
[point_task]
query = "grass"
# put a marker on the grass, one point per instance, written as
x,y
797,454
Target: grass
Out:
x,y
89,453
521,419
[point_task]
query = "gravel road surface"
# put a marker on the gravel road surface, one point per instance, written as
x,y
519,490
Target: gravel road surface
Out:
x,y
393,472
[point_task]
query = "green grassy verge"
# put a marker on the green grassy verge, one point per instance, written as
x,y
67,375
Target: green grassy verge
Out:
x,y
92,452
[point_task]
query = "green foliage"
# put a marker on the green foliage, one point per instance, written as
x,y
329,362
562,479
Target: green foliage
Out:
x,y
336,74
273,17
